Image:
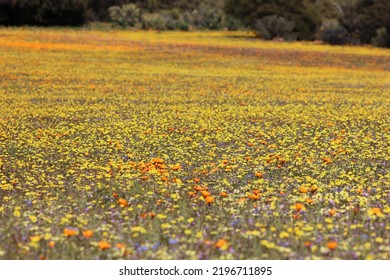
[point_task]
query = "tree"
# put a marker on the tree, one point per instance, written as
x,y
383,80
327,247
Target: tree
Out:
x,y
305,18
367,21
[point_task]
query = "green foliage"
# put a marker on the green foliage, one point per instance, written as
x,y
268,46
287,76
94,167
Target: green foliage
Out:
x,y
332,21
98,9
249,12
208,17
325,9
232,23
333,33
373,15
169,20
364,18
127,15
382,38
43,12
270,27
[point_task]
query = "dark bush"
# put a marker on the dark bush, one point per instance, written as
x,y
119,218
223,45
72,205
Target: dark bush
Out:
x,y
270,27
250,11
43,12
335,36
333,33
382,38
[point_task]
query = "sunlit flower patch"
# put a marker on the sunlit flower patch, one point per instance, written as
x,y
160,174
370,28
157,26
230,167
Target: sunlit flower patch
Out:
x,y
198,145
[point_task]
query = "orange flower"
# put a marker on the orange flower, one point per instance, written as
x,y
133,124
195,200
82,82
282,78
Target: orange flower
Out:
x,y
376,210
145,178
332,212
159,202
327,160
157,160
205,194
122,202
303,189
256,192
253,196
104,245
176,167
200,188
259,174
307,243
51,244
87,233
145,215
331,245
223,194
196,180
309,201
69,232
120,245
222,244
210,199
298,206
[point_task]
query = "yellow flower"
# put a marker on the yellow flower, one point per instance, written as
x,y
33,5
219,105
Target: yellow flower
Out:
x,y
284,234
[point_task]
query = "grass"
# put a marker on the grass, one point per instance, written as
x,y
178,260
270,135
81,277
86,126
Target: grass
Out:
x,y
199,145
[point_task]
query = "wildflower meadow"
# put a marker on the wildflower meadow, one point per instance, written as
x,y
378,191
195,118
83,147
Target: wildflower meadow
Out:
x,y
191,145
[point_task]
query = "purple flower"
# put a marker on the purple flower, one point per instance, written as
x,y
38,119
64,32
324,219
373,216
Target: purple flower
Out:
x,y
173,241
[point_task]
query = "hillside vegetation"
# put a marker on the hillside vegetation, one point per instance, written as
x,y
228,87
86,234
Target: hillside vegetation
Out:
x,y
341,22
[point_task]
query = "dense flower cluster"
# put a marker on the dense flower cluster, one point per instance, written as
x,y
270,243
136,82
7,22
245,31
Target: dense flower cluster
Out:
x,y
203,145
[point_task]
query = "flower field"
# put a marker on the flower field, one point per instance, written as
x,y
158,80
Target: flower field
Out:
x,y
198,145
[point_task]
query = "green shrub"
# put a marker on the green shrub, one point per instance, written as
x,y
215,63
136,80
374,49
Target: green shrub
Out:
x,y
382,38
304,17
154,21
270,27
43,12
127,15
208,17
333,33
231,23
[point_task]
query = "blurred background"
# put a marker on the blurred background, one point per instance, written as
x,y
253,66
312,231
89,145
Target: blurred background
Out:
x,y
339,22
